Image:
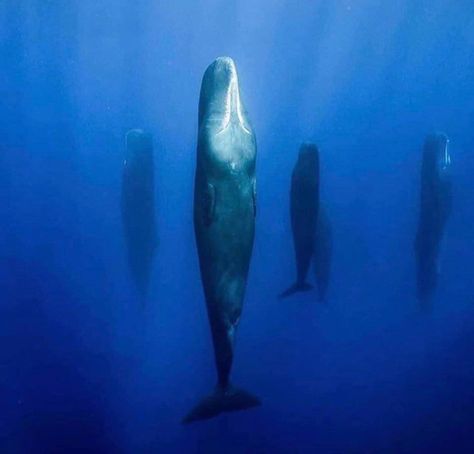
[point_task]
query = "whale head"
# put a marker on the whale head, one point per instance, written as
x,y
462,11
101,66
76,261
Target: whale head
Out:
x,y
220,104
138,146
437,155
225,133
308,152
308,160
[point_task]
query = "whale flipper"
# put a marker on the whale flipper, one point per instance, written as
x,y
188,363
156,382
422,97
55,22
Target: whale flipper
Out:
x,y
221,401
295,288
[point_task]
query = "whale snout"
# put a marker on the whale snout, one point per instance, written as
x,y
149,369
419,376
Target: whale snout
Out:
x,y
225,64
221,73
438,145
220,101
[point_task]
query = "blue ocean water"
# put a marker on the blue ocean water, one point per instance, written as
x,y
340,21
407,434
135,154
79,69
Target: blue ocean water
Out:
x,y
84,367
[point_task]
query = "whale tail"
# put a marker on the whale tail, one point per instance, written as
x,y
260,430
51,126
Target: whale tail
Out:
x,y
295,288
220,401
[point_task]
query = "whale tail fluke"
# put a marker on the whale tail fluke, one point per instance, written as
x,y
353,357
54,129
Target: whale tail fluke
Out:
x,y
295,288
221,401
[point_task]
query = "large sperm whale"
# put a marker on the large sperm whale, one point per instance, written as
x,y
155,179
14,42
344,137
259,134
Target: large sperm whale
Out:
x,y
435,207
224,223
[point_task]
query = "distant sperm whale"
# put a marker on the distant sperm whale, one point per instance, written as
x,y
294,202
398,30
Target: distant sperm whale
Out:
x,y
224,223
304,207
138,206
435,207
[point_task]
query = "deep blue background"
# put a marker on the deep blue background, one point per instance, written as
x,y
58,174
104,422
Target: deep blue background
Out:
x,y
83,367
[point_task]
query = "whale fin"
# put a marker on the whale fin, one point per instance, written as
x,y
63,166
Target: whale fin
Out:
x,y
221,401
295,288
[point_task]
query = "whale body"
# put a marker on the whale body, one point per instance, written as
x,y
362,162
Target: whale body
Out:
x,y
435,208
304,207
224,223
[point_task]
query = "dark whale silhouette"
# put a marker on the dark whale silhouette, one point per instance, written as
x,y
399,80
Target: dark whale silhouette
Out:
x,y
138,206
304,207
435,207
224,223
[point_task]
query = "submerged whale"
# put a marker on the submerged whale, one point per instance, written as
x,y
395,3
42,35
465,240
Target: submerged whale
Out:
x,y
304,207
435,207
322,257
138,206
224,223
